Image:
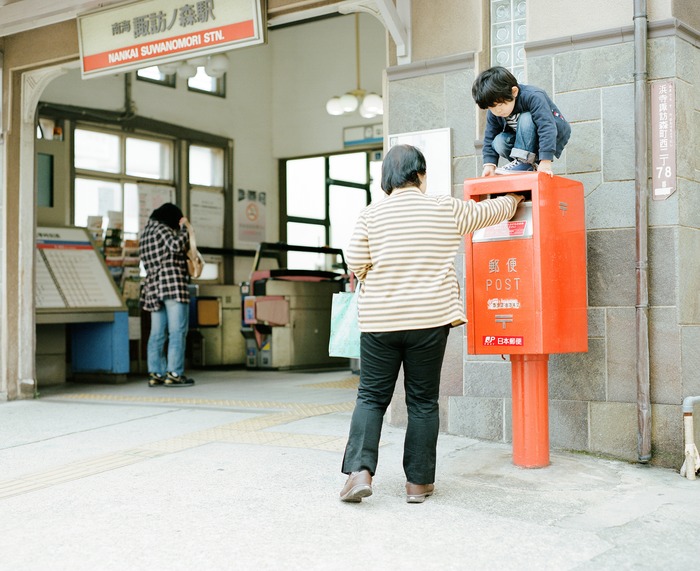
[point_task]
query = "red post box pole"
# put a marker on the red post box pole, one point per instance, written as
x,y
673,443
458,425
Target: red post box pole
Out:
x,y
530,411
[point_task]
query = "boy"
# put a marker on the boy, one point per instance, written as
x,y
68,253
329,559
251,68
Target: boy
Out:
x,y
522,124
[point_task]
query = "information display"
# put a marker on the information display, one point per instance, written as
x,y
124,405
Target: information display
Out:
x,y
71,274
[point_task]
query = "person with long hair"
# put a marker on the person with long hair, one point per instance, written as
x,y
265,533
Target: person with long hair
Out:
x,y
165,295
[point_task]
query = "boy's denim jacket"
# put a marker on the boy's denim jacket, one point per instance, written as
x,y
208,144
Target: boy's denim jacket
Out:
x,y
553,130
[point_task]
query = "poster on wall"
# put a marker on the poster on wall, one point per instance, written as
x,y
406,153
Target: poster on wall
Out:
x,y
250,208
151,196
207,217
153,32
436,146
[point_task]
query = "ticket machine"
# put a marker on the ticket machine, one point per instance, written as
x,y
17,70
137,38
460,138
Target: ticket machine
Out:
x,y
526,293
286,312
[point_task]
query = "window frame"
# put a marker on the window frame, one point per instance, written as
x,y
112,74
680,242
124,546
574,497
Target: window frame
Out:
x,y
220,90
170,79
329,182
121,178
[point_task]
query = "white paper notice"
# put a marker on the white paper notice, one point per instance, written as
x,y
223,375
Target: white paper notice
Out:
x,y
151,196
436,146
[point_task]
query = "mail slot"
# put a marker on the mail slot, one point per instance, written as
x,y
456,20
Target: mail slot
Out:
x,y
526,294
526,278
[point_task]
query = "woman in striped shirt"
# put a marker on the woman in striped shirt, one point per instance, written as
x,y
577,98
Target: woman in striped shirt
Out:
x,y
402,251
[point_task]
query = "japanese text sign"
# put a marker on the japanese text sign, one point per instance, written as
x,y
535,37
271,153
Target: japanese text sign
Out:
x,y
153,32
663,139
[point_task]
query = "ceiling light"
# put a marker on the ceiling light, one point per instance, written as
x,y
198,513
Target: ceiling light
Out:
x,y
216,65
186,70
334,107
369,104
168,68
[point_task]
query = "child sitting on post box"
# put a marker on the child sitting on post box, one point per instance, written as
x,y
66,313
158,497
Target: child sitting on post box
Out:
x,y
523,125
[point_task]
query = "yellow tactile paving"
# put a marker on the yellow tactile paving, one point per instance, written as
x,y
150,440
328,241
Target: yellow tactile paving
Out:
x,y
303,409
265,438
67,473
302,440
172,445
349,383
247,431
335,445
262,422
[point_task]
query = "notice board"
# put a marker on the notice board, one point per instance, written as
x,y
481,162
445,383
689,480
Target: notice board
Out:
x,y
71,275
436,146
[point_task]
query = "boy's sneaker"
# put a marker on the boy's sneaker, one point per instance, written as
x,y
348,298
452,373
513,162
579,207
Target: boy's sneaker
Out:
x,y
155,380
175,380
515,167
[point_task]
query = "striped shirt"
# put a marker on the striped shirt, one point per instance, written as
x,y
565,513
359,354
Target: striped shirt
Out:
x,y
403,250
512,121
162,252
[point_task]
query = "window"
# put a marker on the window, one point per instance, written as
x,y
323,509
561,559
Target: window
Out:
x,y
108,168
206,166
154,75
206,192
149,159
508,32
204,83
324,196
97,151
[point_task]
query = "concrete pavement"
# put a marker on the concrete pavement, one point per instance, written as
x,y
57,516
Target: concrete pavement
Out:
x,y
242,471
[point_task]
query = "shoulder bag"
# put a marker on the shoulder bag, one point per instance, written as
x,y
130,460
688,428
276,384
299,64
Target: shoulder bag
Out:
x,y
195,260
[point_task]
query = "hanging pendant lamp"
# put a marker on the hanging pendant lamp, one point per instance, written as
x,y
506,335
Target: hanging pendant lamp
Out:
x,y
369,105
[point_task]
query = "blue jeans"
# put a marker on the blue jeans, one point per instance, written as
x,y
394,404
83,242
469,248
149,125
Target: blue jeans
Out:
x,y
169,323
519,145
421,352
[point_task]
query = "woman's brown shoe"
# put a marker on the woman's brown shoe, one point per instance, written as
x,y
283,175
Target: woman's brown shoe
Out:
x,y
416,493
358,486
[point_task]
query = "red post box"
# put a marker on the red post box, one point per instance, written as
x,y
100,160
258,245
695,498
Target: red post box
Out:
x,y
526,293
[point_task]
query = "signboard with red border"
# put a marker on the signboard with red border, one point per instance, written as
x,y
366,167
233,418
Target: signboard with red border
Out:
x,y
153,32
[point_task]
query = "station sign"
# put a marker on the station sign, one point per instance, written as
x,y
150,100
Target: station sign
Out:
x,y
153,32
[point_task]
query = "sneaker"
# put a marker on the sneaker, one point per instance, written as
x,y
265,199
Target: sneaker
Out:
x,y
516,166
175,380
154,379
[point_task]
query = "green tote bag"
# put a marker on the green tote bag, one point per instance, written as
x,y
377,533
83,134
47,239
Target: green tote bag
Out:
x,y
345,330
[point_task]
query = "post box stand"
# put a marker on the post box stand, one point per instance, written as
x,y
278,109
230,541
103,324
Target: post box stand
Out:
x,y
529,379
526,294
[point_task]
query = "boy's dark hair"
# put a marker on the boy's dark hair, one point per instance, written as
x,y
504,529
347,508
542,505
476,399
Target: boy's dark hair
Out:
x,y
401,167
493,86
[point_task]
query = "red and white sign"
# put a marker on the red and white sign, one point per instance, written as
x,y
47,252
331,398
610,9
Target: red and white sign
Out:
x,y
153,32
508,229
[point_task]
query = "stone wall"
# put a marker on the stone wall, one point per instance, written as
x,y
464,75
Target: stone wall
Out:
x,y
593,395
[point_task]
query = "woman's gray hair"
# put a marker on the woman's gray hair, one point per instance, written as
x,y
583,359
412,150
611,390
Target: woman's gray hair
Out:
x,y
401,167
